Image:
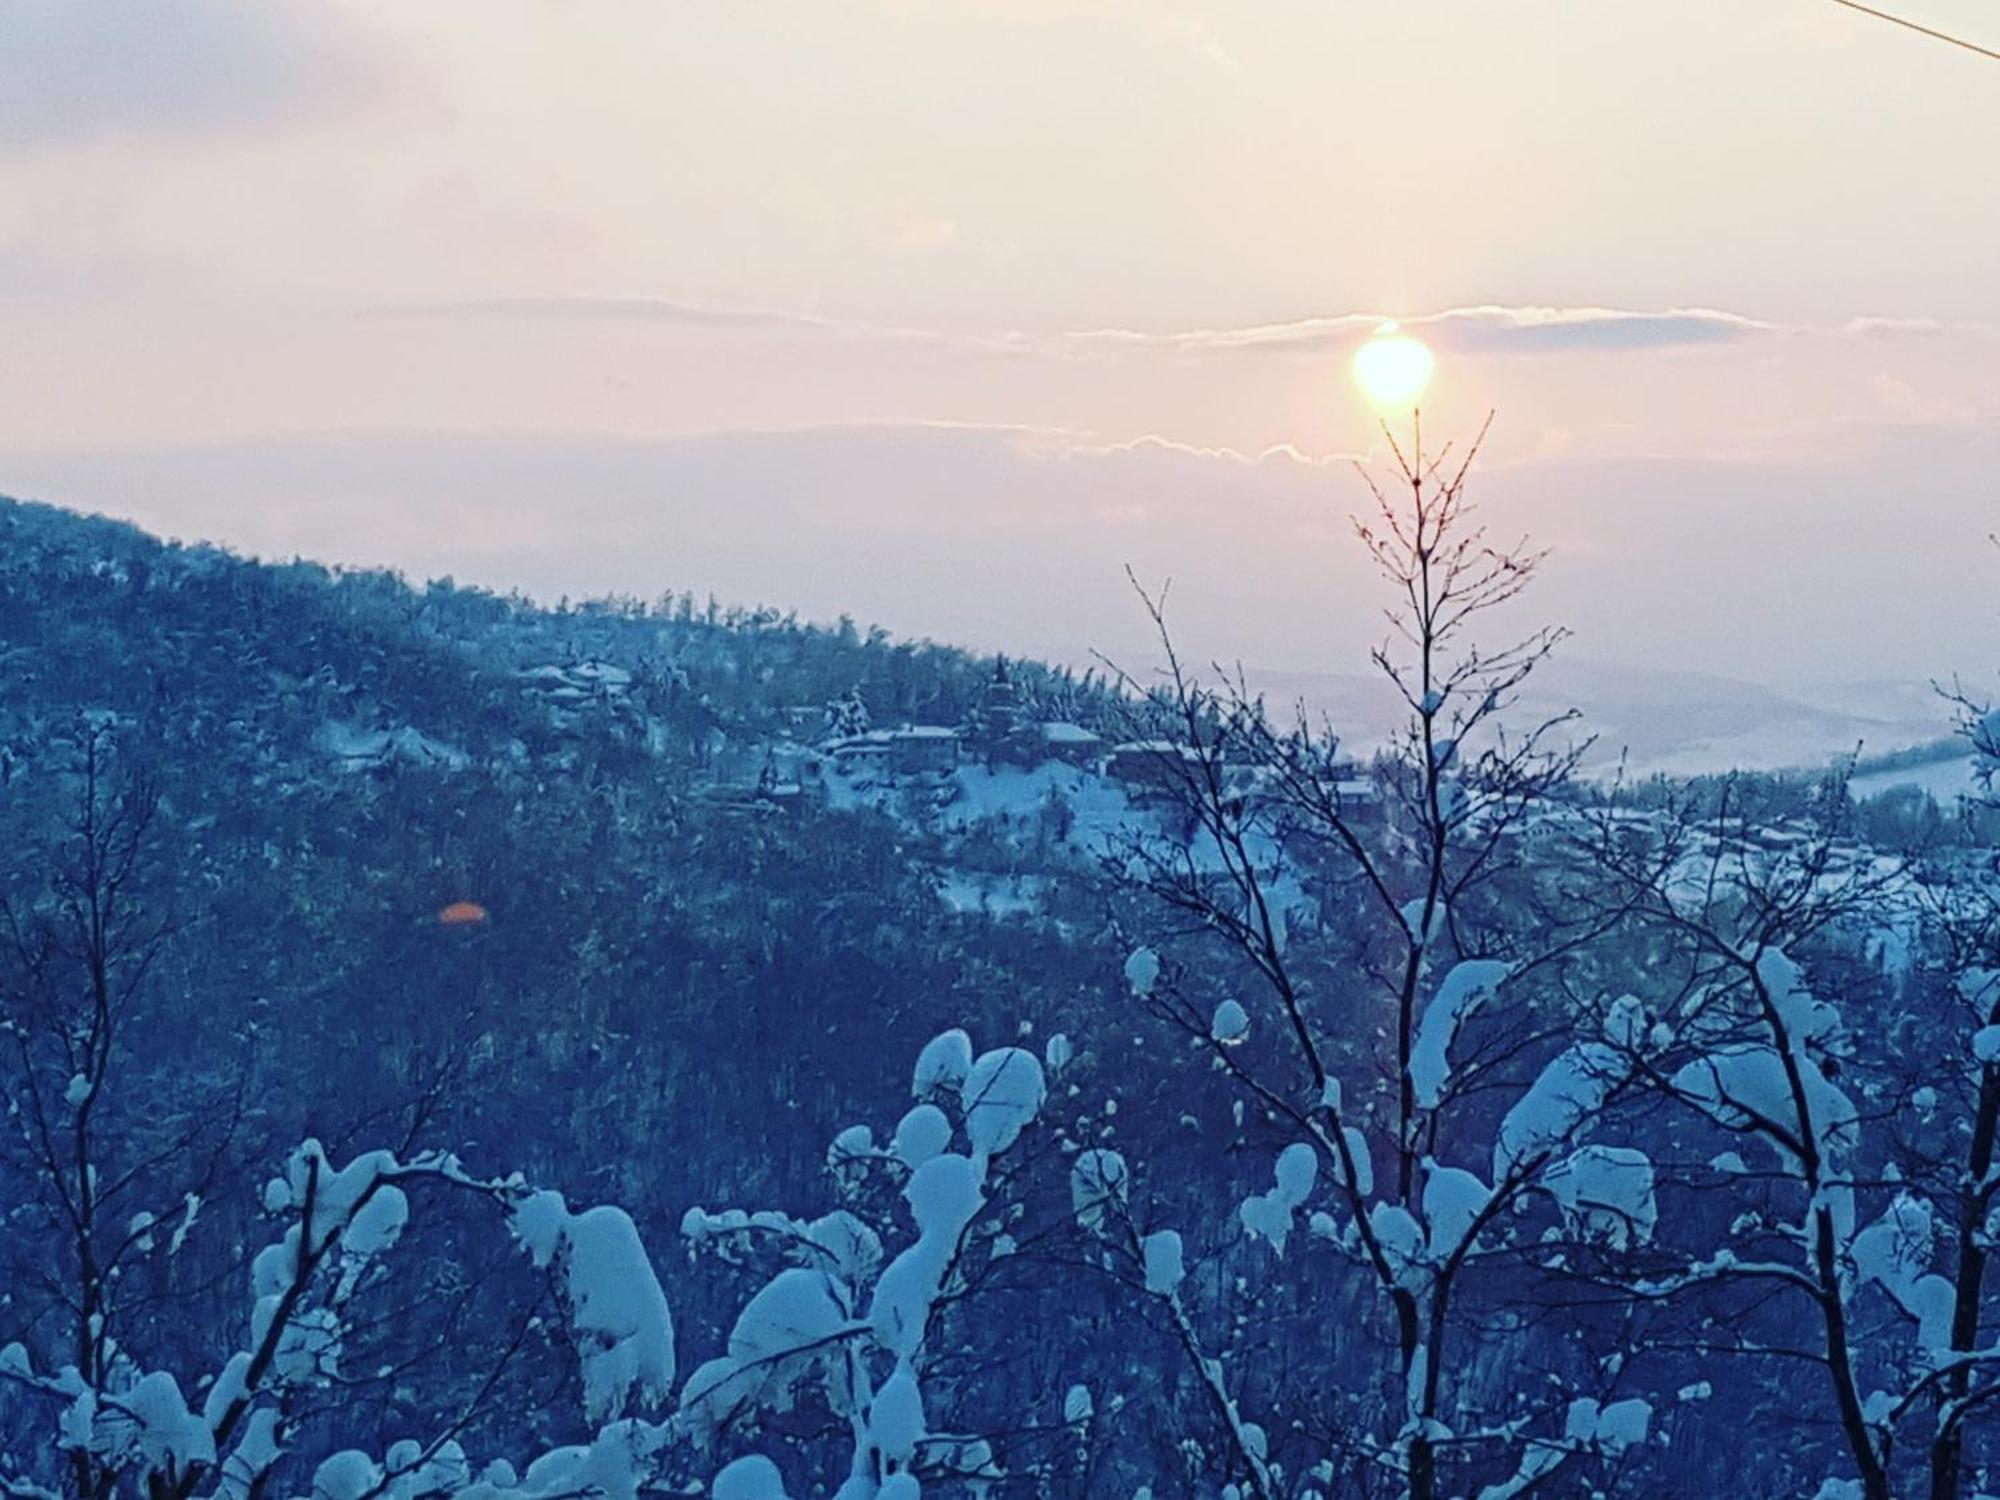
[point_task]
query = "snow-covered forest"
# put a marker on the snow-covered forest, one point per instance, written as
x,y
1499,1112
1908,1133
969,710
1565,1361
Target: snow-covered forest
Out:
x,y
458,1048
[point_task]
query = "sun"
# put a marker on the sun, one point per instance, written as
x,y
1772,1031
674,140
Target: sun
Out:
x,y
1392,368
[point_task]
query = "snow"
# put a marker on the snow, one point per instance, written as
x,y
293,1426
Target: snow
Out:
x,y
355,748
943,1064
981,894
1606,1193
335,1193
921,1134
944,1194
1565,1094
1165,1266
1000,1097
1364,1165
1806,1017
1735,1083
227,1387
1142,971
1610,1429
1057,1053
1893,1252
619,1320
607,1468
1465,986
793,1311
1295,1171
1098,1180
190,1211
1230,1024
1412,914
153,1421
347,1475
896,1416
1453,1200
377,1224
1400,1236
790,1330
854,1144
1061,732
852,1248
1270,1215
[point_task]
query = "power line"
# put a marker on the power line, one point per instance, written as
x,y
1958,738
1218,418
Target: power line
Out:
x,y
1942,36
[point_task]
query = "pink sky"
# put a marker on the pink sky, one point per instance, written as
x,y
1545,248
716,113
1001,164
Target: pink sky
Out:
x,y
938,312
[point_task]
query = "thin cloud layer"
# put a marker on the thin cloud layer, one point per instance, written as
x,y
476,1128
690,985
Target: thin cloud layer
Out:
x,y
1487,329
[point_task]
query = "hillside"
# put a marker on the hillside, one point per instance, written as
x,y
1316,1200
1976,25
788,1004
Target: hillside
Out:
x,y
659,902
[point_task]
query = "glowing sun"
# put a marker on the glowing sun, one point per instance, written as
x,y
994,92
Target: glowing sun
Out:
x,y
1392,368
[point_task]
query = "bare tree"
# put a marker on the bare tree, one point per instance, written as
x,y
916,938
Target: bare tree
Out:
x,y
1960,900
1397,898
1752,1050
110,1174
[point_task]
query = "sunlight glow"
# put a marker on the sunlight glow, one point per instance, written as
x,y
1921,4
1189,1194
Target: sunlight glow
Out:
x,y
1392,368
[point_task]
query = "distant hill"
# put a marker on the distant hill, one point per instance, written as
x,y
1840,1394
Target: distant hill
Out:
x,y
1672,722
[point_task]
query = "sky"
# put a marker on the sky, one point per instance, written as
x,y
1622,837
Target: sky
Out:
x,y
941,313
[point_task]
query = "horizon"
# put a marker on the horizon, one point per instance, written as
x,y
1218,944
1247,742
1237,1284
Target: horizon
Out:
x,y
1642,721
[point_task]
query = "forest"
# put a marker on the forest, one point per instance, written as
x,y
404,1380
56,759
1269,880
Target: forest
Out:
x,y
462,1049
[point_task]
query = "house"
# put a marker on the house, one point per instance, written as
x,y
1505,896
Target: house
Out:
x,y
867,751
788,760
1151,767
777,791
578,683
1070,743
1360,798
913,750
919,749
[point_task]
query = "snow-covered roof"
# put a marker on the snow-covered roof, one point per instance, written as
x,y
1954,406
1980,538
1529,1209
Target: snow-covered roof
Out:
x,y
583,674
601,671
1060,732
1167,748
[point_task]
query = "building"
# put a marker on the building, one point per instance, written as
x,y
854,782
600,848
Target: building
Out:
x,y
913,750
578,683
1071,743
923,749
1151,767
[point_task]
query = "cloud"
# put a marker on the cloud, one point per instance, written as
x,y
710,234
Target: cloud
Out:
x,y
1467,330
1538,330
1472,330
1916,327
74,72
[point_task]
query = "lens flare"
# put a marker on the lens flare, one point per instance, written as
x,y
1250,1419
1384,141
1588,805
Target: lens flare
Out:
x,y
1392,368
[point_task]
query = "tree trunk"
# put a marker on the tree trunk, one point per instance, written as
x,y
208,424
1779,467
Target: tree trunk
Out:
x,y
1968,1285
